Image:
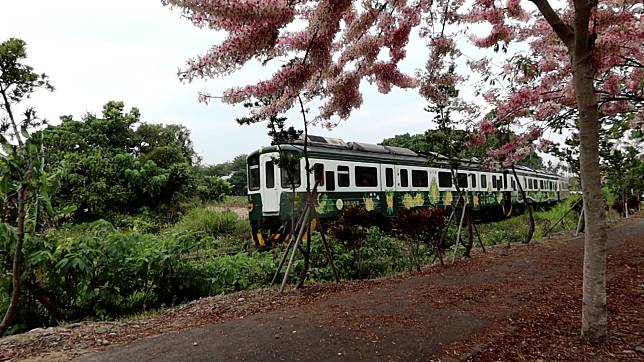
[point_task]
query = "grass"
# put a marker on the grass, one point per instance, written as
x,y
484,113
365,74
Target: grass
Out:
x,y
515,229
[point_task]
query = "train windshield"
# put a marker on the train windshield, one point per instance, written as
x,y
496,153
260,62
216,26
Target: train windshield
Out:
x,y
290,170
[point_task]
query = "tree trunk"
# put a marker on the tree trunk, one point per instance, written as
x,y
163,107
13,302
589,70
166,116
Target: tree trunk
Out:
x,y
594,319
18,264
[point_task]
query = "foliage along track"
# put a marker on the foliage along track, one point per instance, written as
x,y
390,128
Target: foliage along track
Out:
x,y
521,303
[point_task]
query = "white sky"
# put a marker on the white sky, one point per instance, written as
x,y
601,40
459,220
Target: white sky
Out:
x,y
97,51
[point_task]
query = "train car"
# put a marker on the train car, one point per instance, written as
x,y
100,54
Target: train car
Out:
x,y
382,180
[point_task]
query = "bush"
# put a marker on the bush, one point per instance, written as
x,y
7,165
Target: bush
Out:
x,y
420,226
213,223
213,188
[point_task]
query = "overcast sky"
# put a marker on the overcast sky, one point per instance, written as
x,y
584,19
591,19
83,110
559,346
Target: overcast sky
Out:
x,y
97,51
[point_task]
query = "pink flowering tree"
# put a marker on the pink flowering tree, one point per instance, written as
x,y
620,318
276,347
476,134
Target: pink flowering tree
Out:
x,y
584,62
584,59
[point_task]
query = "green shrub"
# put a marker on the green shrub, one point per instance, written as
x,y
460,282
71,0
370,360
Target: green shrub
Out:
x,y
214,223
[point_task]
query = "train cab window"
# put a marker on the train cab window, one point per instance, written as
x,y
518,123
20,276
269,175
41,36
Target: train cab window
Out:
x,y
473,180
389,177
330,181
419,178
270,175
483,181
404,178
253,173
462,180
444,179
290,175
318,174
366,176
343,176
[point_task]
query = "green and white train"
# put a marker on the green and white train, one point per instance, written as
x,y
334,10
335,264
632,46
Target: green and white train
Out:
x,y
382,180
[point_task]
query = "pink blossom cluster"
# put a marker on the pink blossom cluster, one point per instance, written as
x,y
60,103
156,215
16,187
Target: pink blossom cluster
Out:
x,y
335,45
539,89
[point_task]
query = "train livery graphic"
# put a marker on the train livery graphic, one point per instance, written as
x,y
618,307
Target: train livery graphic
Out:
x,y
380,179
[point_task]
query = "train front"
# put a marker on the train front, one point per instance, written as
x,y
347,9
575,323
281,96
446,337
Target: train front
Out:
x,y
268,188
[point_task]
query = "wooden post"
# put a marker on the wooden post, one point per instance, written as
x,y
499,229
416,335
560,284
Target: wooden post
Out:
x,y
458,233
580,223
303,226
326,246
288,247
562,218
478,236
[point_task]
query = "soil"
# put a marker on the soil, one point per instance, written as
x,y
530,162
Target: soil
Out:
x,y
517,303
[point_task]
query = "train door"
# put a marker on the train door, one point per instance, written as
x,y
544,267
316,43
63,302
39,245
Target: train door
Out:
x,y
388,178
269,190
402,182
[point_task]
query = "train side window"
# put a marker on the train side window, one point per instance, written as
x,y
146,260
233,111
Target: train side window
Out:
x,y
541,184
330,181
270,175
462,180
493,181
473,180
343,176
419,178
444,179
529,184
366,176
404,178
514,186
318,174
253,173
389,176
483,181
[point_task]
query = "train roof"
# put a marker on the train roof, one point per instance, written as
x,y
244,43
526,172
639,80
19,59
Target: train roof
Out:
x,y
337,149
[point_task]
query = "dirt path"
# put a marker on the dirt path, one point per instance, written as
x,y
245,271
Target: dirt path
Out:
x,y
521,303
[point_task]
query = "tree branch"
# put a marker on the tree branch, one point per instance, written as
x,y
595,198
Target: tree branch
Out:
x,y
563,30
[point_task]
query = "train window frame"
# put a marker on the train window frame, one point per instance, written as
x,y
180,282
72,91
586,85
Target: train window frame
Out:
x,y
253,173
318,174
329,176
371,172
419,175
445,179
270,175
344,171
404,177
389,177
461,177
297,175
484,182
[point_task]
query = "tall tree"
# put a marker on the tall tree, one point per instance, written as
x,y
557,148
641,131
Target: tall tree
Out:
x,y
333,45
21,154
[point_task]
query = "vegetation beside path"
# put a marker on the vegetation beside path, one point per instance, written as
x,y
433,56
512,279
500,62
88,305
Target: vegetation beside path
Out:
x,y
543,325
101,271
